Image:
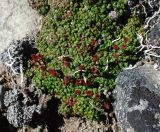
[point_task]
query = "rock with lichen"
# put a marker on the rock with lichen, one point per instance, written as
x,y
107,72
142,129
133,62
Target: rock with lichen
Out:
x,y
17,53
154,40
137,95
21,106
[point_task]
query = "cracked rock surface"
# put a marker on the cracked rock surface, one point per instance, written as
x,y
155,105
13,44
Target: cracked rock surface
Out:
x,y
137,94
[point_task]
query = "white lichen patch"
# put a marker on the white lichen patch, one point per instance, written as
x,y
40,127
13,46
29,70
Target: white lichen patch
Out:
x,y
143,104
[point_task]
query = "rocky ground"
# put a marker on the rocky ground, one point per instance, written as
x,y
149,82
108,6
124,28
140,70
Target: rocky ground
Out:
x,y
24,108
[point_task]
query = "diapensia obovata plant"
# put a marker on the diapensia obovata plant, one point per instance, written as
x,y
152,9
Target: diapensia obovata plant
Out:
x,y
81,51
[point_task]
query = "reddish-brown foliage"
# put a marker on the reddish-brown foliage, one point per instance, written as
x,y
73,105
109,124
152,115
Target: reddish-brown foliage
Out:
x,y
89,93
66,63
124,46
115,47
67,80
43,67
34,57
98,96
107,105
77,92
71,101
95,58
126,40
78,82
93,42
94,70
116,55
52,72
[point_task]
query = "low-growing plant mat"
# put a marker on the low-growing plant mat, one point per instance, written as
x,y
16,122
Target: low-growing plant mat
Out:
x,y
83,46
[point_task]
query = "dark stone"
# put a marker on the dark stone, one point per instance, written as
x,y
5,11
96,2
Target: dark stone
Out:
x,y
154,38
137,96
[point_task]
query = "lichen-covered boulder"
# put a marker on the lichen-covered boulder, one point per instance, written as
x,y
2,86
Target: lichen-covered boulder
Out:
x,y
21,106
137,96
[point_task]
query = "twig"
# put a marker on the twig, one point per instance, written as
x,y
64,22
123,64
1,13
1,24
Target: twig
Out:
x,y
140,38
107,65
78,71
130,67
115,40
144,10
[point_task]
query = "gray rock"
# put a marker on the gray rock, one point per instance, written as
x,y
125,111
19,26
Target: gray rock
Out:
x,y
21,106
137,96
18,19
1,95
153,3
154,38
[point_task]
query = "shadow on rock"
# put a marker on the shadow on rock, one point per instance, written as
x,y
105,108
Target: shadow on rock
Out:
x,y
5,126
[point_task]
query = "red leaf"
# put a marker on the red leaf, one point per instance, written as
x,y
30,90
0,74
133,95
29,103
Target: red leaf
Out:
x,y
94,58
88,47
67,80
124,46
116,62
94,70
89,93
115,47
77,92
34,57
93,42
71,101
40,56
66,63
126,40
116,55
37,57
107,105
53,72
43,67
78,82
98,96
